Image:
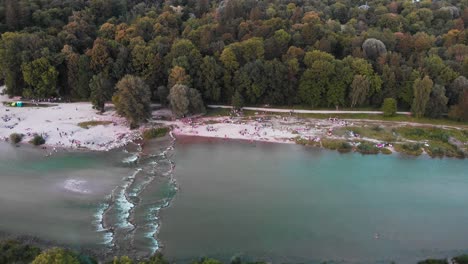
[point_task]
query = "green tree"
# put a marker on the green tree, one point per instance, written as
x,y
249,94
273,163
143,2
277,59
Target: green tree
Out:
x,y
373,48
460,111
100,56
122,260
41,77
185,100
16,252
101,91
162,93
196,105
211,74
437,105
389,107
422,91
318,78
72,61
158,258
132,100
359,90
231,65
389,82
10,61
83,90
237,100
178,76
458,86
56,256
178,100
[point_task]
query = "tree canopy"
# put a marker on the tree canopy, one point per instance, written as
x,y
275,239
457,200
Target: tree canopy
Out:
x,y
314,53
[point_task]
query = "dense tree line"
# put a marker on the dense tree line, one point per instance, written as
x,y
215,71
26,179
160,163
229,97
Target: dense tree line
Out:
x,y
20,253
336,53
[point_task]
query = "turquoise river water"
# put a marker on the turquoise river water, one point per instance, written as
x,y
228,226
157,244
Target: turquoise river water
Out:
x,y
274,202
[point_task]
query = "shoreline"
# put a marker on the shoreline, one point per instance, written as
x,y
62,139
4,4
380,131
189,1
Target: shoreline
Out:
x,y
78,127
332,134
66,126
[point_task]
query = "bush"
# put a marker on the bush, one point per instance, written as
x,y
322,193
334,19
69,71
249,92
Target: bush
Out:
x,y
155,132
16,138
345,147
332,144
88,124
438,149
389,107
409,148
15,252
463,259
367,148
386,151
37,140
433,261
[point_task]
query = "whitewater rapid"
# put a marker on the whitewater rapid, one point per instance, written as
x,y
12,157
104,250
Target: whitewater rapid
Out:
x,y
119,217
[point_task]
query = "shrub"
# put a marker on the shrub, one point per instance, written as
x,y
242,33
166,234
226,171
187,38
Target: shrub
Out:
x,y
15,252
409,148
463,259
345,147
386,151
332,144
16,138
155,132
438,149
367,148
433,261
88,124
389,107
37,140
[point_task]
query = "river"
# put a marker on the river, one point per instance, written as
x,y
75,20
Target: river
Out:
x,y
274,202
289,203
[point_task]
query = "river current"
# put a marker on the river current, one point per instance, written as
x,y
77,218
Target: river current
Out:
x,y
272,202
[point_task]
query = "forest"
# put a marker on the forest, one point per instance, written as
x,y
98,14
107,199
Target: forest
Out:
x,y
308,53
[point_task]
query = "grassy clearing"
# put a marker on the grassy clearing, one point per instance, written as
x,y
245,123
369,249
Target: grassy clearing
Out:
x,y
211,122
441,149
377,117
375,132
89,124
155,132
339,145
216,112
8,104
397,118
413,149
432,133
438,140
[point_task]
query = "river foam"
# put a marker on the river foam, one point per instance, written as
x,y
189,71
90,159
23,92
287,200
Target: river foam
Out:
x,y
76,186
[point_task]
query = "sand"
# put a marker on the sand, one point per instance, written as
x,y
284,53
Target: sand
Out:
x,y
58,124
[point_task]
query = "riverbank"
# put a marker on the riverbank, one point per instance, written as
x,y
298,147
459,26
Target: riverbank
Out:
x,y
66,125
345,135
78,126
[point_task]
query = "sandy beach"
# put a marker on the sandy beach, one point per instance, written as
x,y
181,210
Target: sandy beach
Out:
x,y
58,124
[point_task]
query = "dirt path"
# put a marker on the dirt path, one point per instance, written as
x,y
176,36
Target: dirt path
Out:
x,y
301,111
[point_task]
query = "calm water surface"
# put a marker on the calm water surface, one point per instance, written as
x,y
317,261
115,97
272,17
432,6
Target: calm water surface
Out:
x,y
288,203
283,203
